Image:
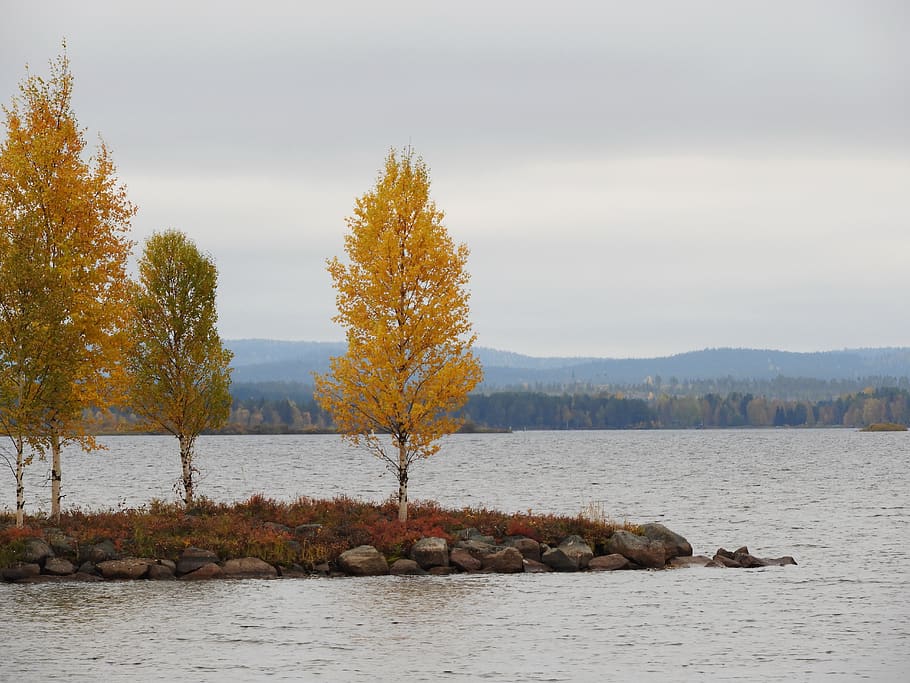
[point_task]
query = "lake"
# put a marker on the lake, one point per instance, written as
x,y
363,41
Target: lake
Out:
x,y
837,500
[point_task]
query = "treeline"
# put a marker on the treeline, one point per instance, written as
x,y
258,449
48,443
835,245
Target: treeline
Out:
x,y
283,407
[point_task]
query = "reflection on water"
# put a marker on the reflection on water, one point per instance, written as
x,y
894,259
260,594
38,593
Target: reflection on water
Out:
x,y
834,499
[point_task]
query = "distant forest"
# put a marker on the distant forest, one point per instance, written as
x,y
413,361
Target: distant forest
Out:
x,y
280,407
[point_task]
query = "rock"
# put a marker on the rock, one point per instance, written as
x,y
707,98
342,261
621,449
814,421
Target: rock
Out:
x,y
676,545
192,559
505,561
160,572
20,571
103,551
779,561
364,560
62,544
608,563
472,534
694,561
58,566
535,567
87,568
323,568
479,549
578,550
748,561
725,561
464,560
405,567
248,568
130,568
528,547
205,572
36,551
742,550
640,550
308,530
280,528
557,560
431,552
442,571
724,553
170,564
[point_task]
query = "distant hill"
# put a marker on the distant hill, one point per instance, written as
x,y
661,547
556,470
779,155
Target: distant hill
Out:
x,y
264,360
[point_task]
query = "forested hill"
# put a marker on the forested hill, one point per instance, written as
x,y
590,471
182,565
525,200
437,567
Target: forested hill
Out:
x,y
262,360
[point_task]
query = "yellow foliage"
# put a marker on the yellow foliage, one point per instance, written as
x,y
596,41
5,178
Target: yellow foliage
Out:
x,y
403,301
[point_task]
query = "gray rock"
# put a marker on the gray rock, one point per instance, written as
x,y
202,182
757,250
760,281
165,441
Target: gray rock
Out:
x,y
62,544
472,534
170,564
676,545
577,549
37,550
528,547
505,561
20,571
535,567
464,560
479,549
248,568
404,567
103,551
59,566
87,568
192,559
160,572
129,568
431,552
205,572
308,530
640,550
364,560
557,560
693,561
608,563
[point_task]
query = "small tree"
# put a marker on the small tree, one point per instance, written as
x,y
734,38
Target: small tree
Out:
x,y
63,252
178,370
403,302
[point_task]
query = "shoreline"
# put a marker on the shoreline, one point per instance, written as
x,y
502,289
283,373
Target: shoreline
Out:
x,y
263,538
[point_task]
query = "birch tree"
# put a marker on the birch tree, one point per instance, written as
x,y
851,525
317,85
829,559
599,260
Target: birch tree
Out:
x,y
402,299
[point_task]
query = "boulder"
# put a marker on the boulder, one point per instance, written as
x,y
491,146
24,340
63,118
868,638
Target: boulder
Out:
x,y
248,568
505,561
129,568
160,572
479,549
84,577
639,549
405,567
676,545
192,559
307,530
37,550
58,566
779,561
364,560
557,560
441,571
535,567
431,552
748,561
102,552
87,568
608,563
20,571
528,547
464,560
205,572
170,564
62,544
472,534
724,561
694,561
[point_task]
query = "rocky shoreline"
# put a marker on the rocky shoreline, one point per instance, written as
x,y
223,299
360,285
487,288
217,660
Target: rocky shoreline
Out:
x,y
655,547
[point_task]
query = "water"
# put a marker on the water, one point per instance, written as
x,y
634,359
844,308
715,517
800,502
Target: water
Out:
x,y
837,500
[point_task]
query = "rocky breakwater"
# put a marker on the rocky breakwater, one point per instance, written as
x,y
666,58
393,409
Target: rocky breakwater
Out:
x,y
652,546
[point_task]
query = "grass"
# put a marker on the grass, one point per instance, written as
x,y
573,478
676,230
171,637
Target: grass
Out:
x,y
264,528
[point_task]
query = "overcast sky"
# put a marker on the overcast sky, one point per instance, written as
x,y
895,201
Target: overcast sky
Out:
x,y
632,179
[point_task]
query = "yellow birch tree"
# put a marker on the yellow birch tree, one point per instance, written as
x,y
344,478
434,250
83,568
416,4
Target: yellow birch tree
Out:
x,y
403,301
63,252
178,370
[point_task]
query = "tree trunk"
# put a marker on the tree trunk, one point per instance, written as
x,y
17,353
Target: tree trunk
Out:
x,y
186,460
56,477
402,484
20,485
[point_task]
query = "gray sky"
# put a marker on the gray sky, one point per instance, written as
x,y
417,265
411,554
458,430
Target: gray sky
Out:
x,y
632,179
